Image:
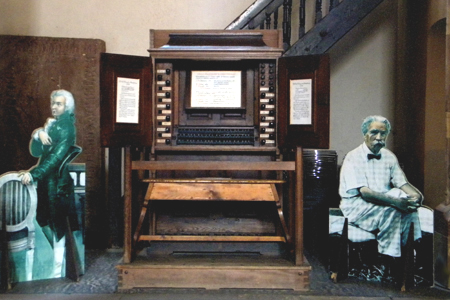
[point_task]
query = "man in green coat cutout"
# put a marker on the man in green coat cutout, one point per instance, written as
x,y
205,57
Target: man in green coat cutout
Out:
x,y
54,144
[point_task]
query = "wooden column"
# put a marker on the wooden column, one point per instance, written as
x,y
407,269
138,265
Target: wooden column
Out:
x,y
127,249
442,211
447,96
445,209
298,207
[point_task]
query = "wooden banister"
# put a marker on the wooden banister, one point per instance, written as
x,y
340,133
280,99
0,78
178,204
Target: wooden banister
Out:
x,y
330,23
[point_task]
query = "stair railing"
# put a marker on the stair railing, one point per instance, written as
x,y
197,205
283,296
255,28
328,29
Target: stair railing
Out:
x,y
265,14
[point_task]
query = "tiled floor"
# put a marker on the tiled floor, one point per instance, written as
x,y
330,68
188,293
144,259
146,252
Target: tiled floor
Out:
x,y
100,282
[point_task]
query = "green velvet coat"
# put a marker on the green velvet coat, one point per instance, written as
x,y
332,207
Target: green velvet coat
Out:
x,y
56,200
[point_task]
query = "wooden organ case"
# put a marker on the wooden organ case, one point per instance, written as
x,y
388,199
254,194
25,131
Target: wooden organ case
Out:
x,y
220,119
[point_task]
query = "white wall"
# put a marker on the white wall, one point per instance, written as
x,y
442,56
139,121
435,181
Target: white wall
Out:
x,y
363,77
123,25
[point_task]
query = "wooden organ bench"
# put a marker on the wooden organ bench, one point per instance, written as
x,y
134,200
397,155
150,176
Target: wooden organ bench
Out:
x,y
293,273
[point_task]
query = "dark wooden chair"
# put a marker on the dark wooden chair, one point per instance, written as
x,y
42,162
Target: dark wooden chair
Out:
x,y
18,204
346,240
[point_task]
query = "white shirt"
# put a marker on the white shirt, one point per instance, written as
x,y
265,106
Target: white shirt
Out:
x,y
357,171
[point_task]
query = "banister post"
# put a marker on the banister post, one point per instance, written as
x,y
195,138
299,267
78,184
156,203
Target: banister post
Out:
x,y
275,19
333,4
302,16
287,9
268,20
318,11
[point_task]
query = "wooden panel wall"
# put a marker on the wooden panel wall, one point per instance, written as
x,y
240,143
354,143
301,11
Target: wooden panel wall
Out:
x,y
447,96
30,69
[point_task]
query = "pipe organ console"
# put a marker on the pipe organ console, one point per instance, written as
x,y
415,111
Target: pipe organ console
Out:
x,y
216,90
215,102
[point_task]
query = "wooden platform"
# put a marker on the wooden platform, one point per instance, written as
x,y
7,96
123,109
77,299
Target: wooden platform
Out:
x,y
214,271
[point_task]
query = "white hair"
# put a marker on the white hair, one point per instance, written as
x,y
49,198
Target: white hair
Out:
x,y
70,101
370,119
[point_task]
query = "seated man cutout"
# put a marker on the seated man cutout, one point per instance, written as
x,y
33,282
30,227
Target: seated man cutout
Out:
x,y
375,194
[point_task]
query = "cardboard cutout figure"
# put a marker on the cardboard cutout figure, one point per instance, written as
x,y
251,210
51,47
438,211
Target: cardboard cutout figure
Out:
x,y
376,195
56,215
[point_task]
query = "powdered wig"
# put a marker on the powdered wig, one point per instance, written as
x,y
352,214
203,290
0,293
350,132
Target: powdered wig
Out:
x,y
70,101
370,119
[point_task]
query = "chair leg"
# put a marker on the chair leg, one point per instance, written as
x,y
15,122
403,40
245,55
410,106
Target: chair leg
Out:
x,y
72,257
423,269
339,262
29,261
5,272
407,276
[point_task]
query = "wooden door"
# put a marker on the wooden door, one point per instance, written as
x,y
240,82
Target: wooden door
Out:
x,y
304,101
126,106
